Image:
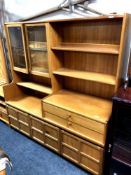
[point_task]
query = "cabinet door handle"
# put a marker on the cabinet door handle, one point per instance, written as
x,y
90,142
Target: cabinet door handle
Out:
x,y
69,123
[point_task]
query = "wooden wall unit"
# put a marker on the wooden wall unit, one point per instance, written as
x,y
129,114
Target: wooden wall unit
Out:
x,y
62,99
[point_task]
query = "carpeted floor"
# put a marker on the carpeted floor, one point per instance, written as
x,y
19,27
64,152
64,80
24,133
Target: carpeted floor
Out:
x,y
30,158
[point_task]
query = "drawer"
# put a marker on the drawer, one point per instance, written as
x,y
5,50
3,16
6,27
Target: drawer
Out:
x,y
86,133
24,129
70,141
5,117
14,122
52,143
23,118
51,131
76,118
37,125
38,136
70,154
12,112
90,165
93,151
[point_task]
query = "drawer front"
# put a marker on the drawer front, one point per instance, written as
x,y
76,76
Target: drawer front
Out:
x,y
23,118
37,125
24,129
5,117
51,131
14,122
70,154
82,152
93,151
70,141
38,136
77,129
90,165
75,118
52,138
52,143
12,112
37,129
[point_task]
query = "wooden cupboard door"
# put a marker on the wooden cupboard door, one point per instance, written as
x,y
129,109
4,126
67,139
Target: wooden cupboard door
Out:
x,y
52,137
91,157
37,129
82,152
15,34
37,49
24,123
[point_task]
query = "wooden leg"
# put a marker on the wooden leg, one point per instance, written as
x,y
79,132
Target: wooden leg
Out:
x,y
3,172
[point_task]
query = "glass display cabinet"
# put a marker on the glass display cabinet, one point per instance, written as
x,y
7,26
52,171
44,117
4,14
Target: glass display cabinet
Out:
x,y
37,49
17,47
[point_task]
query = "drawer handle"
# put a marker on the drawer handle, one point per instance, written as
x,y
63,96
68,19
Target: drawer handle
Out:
x,y
69,123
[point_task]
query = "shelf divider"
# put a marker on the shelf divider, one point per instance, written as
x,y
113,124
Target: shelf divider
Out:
x,y
91,76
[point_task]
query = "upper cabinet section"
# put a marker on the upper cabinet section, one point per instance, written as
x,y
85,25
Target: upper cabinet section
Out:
x,y
15,35
37,49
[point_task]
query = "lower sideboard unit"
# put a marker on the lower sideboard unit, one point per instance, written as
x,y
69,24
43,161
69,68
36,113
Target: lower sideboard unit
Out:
x,y
82,152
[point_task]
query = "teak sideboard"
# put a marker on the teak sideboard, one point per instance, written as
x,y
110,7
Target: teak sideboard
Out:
x,y
64,75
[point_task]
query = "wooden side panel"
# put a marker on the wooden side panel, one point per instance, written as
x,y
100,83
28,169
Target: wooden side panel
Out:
x,y
3,69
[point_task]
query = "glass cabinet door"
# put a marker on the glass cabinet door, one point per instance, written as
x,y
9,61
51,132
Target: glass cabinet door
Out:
x,y
37,47
17,48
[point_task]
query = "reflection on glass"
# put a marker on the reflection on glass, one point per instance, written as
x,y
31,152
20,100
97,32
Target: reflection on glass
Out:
x,y
38,49
17,47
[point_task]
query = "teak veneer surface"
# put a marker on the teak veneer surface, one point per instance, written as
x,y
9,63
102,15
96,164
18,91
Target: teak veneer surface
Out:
x,y
88,47
29,104
91,76
1,91
35,86
92,107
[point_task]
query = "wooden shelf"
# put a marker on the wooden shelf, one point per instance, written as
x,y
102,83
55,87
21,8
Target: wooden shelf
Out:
x,y
84,47
40,73
92,107
91,76
36,87
29,104
39,49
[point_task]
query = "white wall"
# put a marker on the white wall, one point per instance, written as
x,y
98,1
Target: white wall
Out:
x,y
27,8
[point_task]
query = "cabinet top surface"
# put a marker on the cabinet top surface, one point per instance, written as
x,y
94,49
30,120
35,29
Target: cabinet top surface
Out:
x,y
92,107
72,19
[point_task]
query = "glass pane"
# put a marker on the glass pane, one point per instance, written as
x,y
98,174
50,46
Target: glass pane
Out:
x,y
38,48
17,47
